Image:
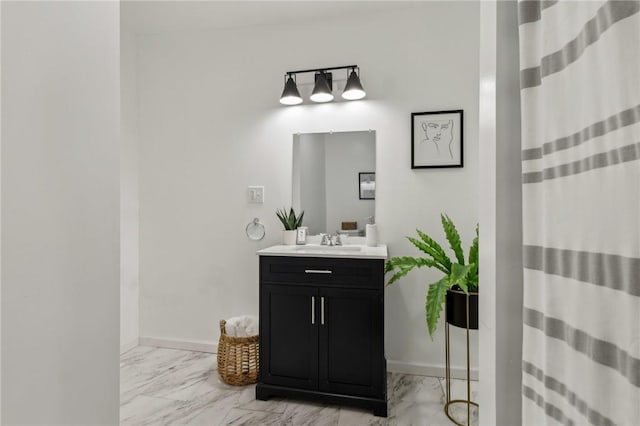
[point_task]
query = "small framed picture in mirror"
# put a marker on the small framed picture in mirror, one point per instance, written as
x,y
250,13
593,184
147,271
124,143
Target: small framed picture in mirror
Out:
x,y
367,185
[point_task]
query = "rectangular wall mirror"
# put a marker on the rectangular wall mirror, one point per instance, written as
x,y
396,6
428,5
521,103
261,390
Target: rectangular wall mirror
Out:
x,y
334,180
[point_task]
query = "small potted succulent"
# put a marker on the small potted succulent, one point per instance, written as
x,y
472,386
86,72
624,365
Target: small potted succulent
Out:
x,y
460,278
291,222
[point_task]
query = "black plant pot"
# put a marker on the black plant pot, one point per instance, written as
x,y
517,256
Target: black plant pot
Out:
x,y
457,309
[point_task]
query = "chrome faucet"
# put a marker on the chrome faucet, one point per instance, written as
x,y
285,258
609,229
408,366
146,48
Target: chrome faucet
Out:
x,y
331,240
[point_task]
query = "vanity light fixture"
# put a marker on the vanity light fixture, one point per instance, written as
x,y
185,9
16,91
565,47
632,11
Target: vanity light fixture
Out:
x,y
353,89
290,94
323,87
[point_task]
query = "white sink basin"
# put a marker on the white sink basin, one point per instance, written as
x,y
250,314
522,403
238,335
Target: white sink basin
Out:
x,y
318,248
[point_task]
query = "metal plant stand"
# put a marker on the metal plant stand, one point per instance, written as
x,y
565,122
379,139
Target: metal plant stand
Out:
x,y
450,401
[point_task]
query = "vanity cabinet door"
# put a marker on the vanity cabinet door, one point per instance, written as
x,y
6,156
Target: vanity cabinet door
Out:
x,y
289,330
351,344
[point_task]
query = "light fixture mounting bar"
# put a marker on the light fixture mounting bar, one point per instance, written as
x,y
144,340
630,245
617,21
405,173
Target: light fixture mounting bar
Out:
x,y
344,67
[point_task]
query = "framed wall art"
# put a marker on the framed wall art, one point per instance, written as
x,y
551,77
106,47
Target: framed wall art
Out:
x,y
437,139
367,185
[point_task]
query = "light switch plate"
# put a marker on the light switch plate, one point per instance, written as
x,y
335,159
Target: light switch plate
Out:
x,y
256,194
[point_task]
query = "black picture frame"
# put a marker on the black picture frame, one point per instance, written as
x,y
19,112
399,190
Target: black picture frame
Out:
x,y
436,157
365,177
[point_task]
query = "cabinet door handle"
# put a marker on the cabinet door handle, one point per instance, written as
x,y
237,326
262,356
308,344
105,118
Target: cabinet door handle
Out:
x,y
318,271
313,310
322,310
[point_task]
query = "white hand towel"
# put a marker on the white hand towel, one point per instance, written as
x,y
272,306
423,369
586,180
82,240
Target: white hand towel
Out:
x,y
242,326
230,329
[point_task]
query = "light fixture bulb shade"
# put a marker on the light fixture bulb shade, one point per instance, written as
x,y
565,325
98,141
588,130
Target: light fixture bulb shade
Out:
x,y
290,94
321,90
353,89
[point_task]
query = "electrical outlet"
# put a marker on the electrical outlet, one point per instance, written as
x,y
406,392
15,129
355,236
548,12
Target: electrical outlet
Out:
x,y
256,194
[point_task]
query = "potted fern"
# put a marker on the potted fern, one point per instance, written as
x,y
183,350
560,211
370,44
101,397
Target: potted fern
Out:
x,y
291,222
460,278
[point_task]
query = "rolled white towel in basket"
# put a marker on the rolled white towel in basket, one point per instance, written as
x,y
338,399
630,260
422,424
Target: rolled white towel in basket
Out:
x,y
242,326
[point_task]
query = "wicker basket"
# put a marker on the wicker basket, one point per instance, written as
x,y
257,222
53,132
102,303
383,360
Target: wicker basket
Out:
x,y
238,358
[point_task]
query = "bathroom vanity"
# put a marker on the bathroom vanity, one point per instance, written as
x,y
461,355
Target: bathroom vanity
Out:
x,y
322,325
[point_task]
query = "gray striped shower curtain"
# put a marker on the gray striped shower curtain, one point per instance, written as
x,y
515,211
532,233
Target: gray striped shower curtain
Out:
x,y
580,96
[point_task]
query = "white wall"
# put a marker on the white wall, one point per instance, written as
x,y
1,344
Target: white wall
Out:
x,y
129,204
60,260
346,155
210,125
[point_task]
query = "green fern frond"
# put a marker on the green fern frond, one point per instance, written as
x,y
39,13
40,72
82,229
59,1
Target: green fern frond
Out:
x,y
473,250
472,277
435,300
438,252
443,262
403,265
408,260
453,237
459,275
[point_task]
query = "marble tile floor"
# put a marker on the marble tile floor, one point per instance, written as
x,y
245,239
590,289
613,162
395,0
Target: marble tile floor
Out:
x,y
175,387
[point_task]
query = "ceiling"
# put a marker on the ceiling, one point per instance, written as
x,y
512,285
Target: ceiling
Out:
x,y
153,16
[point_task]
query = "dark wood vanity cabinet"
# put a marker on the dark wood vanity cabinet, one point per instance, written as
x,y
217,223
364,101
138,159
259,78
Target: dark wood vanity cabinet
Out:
x,y
322,330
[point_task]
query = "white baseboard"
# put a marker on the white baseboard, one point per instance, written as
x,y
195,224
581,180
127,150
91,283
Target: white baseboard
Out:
x,y
128,346
392,366
179,344
429,370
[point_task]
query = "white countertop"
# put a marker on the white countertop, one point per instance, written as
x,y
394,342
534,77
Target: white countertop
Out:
x,y
351,251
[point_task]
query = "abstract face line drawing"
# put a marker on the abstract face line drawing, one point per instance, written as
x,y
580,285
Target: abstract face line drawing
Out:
x,y
437,139
439,133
